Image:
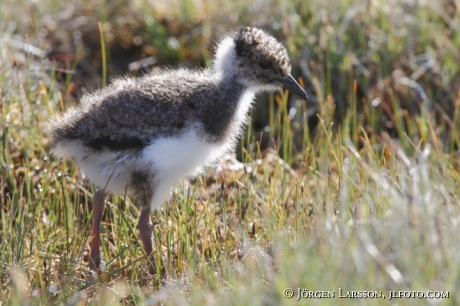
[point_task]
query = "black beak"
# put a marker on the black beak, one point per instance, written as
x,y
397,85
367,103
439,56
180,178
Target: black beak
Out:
x,y
291,84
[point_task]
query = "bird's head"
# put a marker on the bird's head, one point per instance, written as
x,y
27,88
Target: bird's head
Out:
x,y
258,60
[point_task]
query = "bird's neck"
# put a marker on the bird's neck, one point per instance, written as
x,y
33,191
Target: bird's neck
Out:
x,y
229,105
232,93
231,87
233,97
226,63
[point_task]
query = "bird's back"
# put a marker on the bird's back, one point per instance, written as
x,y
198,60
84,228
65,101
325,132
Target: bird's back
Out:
x,y
131,113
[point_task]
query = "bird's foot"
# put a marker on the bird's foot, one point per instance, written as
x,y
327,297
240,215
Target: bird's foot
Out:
x,y
96,264
154,271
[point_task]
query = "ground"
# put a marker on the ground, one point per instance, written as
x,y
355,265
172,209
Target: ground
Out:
x,y
355,201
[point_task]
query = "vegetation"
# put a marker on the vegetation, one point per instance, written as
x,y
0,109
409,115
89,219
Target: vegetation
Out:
x,y
366,199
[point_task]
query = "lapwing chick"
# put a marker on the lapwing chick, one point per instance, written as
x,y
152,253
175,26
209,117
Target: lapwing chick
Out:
x,y
140,135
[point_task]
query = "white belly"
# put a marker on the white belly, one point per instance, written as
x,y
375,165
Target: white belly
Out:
x,y
178,157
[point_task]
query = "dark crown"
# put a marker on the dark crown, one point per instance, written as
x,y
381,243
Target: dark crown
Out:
x,y
261,48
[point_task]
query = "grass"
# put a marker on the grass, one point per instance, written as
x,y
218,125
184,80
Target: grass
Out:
x,y
368,200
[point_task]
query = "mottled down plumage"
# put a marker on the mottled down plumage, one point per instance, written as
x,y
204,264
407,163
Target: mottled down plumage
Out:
x,y
131,113
140,135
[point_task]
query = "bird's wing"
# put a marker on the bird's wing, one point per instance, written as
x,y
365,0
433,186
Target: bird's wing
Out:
x,y
128,119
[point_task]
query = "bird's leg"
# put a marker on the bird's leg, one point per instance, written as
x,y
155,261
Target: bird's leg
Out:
x,y
145,232
98,211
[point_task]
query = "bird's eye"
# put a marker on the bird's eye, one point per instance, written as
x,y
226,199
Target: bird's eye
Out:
x,y
265,64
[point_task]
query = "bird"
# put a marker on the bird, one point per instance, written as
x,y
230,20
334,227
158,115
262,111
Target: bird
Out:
x,y
138,136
